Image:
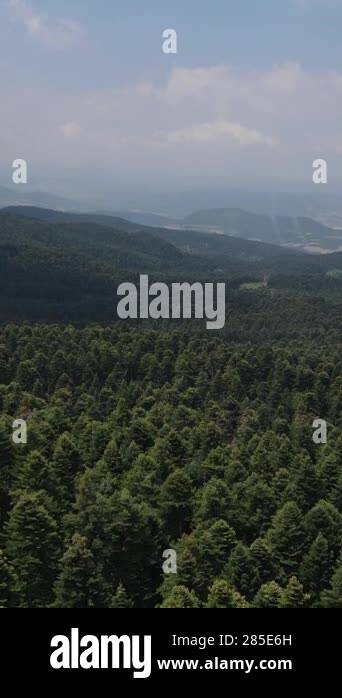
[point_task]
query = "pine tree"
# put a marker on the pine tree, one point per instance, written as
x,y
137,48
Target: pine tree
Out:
x,y
286,536
33,548
77,586
305,485
293,595
66,465
268,596
212,548
261,557
223,595
181,597
242,571
214,501
316,567
120,598
112,457
175,502
33,474
324,518
332,597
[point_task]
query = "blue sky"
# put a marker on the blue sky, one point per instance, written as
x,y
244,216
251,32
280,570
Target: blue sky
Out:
x,y
254,90
121,38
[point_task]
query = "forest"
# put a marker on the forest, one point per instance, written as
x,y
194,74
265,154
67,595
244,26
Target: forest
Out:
x,y
144,440
150,436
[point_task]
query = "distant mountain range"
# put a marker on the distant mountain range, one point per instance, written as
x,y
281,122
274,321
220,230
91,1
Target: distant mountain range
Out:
x,y
298,232
176,209
304,233
19,195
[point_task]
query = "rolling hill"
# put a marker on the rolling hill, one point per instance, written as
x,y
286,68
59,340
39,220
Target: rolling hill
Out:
x,y
304,233
189,241
66,267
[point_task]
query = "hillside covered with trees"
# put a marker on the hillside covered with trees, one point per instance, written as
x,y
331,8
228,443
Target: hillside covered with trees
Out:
x,y
142,440
153,436
58,270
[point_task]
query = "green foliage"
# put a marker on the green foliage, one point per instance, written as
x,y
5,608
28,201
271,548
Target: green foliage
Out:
x,y
76,586
181,597
268,596
141,441
332,597
222,595
175,503
5,581
316,567
59,267
286,537
293,595
33,547
120,598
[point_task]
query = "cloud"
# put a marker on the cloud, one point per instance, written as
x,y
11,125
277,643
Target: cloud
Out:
x,y
218,132
61,33
202,121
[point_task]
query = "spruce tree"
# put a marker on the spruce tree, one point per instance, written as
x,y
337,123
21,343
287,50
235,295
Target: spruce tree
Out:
x,y
77,585
286,537
66,464
33,474
242,572
324,518
262,561
316,567
175,502
332,596
223,595
33,547
293,595
181,597
268,596
121,599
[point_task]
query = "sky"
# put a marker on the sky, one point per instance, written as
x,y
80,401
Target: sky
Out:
x,y
89,99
